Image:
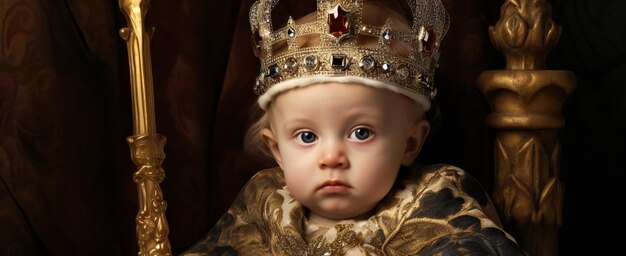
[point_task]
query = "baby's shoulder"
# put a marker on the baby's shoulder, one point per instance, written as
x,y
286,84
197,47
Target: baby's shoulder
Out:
x,y
444,177
272,177
260,187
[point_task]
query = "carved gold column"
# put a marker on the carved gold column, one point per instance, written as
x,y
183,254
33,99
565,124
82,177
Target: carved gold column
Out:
x,y
526,104
146,145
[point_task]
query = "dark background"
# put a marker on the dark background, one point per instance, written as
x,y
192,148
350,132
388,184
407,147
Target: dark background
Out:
x,y
65,172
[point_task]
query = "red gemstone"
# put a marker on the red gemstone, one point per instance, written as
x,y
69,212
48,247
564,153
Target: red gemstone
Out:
x,y
338,21
430,41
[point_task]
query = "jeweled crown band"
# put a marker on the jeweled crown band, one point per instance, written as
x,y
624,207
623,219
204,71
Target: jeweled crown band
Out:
x,y
345,61
339,30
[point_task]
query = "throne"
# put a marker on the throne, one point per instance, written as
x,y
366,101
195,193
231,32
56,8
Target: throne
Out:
x,y
499,119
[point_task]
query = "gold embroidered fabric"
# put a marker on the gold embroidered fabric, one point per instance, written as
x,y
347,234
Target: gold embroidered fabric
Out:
x,y
433,210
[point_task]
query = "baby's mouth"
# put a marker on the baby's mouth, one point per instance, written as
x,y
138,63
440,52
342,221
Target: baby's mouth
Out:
x,y
334,187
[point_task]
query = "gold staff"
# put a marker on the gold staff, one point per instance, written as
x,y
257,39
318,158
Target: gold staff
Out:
x,y
146,145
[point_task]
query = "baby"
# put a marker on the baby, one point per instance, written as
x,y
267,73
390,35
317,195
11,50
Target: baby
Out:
x,y
345,91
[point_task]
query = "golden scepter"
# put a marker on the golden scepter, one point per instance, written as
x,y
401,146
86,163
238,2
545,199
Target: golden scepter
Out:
x,y
146,145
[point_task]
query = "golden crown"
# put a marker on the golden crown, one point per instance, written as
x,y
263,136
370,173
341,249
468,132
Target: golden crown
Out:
x,y
339,23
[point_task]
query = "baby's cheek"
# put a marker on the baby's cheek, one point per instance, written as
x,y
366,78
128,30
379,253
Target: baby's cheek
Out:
x,y
377,176
296,178
380,172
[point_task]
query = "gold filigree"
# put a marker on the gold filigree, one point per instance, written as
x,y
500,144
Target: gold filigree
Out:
x,y
290,242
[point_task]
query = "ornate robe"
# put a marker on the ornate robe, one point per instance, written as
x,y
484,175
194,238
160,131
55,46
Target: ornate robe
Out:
x,y
431,210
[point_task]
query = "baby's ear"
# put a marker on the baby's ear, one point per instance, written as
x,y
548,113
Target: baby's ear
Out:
x,y
415,139
272,144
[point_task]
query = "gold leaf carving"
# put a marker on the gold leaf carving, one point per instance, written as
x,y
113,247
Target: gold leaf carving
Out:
x,y
502,162
525,33
514,31
550,203
531,162
528,192
517,203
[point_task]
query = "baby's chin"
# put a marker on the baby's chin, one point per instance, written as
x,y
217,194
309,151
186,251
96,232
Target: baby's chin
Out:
x,y
335,216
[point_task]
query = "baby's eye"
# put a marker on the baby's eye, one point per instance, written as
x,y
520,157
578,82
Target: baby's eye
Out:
x,y
361,134
306,137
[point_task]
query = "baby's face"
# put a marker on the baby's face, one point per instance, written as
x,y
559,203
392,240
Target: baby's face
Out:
x,y
341,145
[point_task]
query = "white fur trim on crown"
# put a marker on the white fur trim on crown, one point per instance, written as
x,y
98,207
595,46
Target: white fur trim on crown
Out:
x,y
276,89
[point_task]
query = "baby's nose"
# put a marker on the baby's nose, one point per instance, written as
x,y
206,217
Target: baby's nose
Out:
x,y
334,157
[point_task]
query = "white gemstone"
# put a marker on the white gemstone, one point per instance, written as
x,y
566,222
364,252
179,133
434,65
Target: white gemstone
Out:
x,y
290,65
310,62
386,67
367,63
403,72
